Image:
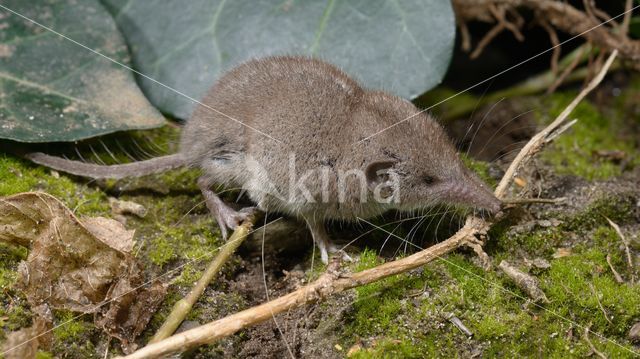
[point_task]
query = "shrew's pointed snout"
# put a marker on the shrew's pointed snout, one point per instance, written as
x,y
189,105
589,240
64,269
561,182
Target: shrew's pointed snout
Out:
x,y
489,202
473,192
481,196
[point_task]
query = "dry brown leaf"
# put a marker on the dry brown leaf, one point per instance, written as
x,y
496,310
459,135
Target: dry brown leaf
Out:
x,y
79,266
111,232
68,266
130,309
562,252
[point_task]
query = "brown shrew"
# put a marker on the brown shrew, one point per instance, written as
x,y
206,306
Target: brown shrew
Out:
x,y
292,132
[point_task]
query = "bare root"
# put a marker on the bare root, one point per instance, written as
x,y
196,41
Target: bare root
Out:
x,y
591,24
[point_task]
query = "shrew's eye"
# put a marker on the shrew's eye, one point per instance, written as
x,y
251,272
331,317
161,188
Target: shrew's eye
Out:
x,y
429,180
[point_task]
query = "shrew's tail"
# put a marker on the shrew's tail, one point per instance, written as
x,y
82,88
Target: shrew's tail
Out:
x,y
134,169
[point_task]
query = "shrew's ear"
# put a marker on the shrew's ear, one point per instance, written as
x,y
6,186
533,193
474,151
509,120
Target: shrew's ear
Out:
x,y
377,172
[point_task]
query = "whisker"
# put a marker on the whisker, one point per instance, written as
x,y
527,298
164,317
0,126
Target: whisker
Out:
x,y
500,129
475,108
486,115
95,154
123,150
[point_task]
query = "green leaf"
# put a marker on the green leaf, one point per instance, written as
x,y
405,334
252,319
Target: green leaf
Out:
x,y
402,46
54,90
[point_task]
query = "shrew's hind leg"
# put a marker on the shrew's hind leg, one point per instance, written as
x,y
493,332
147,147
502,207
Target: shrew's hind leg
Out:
x,y
227,217
322,240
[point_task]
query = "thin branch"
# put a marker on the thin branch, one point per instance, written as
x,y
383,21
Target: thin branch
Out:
x,y
627,251
458,323
331,282
568,70
536,143
555,41
476,245
591,346
533,200
616,275
526,282
183,306
499,14
604,312
486,40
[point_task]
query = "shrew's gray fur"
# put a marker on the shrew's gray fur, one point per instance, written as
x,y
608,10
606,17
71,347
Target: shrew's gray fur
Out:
x,y
318,114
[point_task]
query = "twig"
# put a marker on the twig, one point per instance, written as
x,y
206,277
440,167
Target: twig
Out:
x,y
465,36
588,8
526,282
500,15
555,41
536,143
569,69
332,282
604,312
591,346
183,306
626,247
329,283
490,35
616,275
533,200
458,324
476,245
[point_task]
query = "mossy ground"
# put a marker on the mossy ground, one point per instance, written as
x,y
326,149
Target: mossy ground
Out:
x,y
407,315
402,316
176,236
583,150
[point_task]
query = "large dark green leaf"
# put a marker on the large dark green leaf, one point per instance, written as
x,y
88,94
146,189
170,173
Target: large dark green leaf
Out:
x,y
54,90
403,46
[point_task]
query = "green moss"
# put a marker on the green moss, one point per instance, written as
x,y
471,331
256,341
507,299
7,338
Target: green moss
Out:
x,y
15,316
574,282
162,250
495,310
191,241
539,242
389,348
378,304
73,329
14,312
618,209
575,151
44,355
542,241
18,176
188,276
10,256
368,259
